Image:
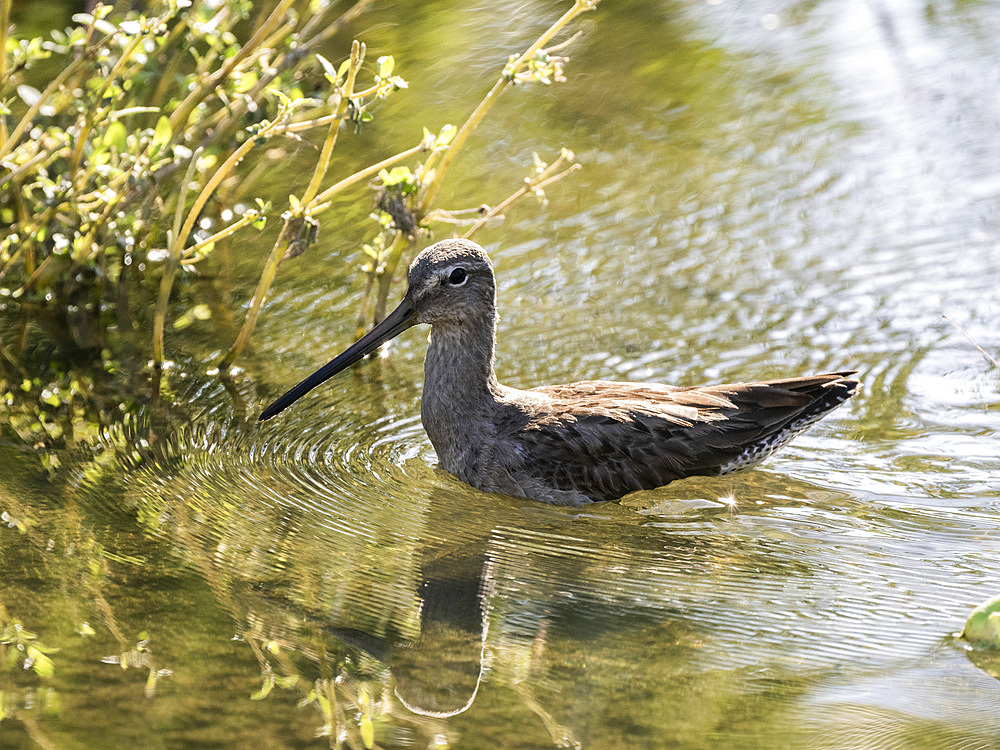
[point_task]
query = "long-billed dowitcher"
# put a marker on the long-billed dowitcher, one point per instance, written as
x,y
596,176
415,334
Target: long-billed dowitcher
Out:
x,y
579,442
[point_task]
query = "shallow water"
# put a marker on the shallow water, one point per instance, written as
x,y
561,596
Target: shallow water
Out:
x,y
763,195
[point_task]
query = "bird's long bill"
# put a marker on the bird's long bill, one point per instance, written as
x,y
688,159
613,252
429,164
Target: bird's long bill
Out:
x,y
403,317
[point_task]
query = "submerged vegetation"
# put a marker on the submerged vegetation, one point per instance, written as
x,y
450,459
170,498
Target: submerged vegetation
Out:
x,y
125,171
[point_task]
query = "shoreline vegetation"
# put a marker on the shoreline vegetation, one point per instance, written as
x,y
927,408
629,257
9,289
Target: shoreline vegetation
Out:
x,y
122,175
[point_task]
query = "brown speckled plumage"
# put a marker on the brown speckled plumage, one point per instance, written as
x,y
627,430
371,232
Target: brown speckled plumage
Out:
x,y
579,442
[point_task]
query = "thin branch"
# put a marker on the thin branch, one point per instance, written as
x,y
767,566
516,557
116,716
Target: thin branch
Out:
x,y
531,187
4,26
507,79
170,268
180,115
981,350
356,59
321,200
220,174
54,86
248,218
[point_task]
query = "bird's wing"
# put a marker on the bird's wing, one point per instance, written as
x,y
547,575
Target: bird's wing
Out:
x,y
606,439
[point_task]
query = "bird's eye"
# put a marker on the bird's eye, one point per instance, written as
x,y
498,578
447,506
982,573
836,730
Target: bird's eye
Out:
x,y
457,276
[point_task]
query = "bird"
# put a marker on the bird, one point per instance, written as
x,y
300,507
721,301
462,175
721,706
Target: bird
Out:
x,y
576,443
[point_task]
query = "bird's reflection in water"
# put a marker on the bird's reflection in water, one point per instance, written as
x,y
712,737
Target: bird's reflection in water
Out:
x,y
424,650
437,673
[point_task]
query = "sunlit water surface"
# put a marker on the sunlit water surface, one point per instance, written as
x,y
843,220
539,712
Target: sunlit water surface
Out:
x,y
762,195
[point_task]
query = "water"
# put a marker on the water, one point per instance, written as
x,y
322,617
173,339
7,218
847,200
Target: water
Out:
x,y
763,195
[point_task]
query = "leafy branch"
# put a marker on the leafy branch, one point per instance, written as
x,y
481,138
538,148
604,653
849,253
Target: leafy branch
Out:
x,y
94,165
412,194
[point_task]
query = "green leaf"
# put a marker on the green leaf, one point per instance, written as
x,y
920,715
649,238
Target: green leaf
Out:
x,y
983,626
105,27
328,71
116,136
324,703
446,136
198,312
206,162
367,731
29,94
246,82
395,176
42,664
161,134
265,688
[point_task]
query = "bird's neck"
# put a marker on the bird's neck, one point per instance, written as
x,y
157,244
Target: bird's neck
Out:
x,y
459,363
460,390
